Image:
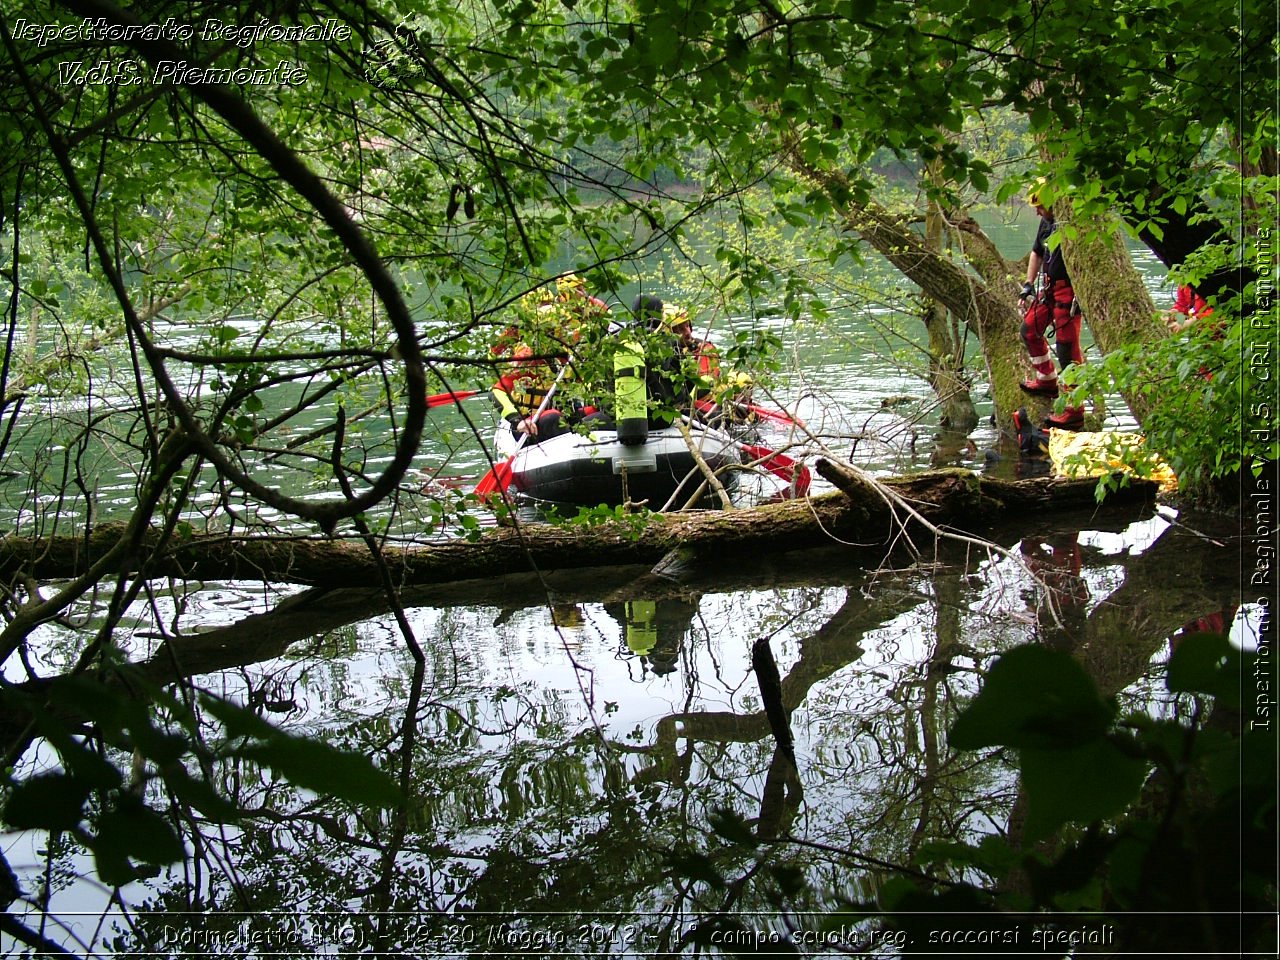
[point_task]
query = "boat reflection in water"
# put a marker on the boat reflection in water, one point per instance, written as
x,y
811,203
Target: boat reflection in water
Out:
x,y
654,630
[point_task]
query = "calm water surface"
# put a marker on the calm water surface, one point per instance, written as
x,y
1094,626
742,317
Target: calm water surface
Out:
x,y
574,737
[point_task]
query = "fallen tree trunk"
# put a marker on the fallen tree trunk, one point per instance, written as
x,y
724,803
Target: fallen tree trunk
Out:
x,y
861,513
316,612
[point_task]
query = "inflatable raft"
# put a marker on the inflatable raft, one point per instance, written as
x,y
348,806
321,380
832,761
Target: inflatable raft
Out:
x,y
593,469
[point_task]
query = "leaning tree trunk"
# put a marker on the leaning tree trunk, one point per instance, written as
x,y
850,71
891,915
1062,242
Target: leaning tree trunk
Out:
x,y
946,368
989,309
1115,301
985,302
946,338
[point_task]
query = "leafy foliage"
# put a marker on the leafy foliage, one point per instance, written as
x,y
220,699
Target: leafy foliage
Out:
x,y
1202,400
90,798
1121,816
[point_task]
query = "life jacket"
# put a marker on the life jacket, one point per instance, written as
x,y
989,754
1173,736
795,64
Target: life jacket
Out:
x,y
708,359
1052,264
524,386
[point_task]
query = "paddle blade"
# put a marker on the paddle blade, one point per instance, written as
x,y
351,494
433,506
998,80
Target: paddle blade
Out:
x,y
708,406
795,475
495,481
775,415
451,396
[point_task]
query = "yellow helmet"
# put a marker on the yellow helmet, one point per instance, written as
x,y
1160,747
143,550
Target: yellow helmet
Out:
x,y
533,300
673,315
570,284
1033,194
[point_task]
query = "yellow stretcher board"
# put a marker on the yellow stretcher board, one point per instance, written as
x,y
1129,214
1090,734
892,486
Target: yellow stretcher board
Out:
x,y
1082,454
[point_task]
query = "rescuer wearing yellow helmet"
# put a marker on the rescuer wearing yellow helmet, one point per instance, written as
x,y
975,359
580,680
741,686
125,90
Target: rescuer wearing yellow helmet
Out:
x,y
545,336
701,365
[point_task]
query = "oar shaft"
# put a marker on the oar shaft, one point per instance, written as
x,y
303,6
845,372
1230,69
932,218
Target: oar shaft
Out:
x,y
542,407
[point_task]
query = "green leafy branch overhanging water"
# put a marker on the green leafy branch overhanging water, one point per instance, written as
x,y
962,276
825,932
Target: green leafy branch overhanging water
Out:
x,y
101,802
1123,815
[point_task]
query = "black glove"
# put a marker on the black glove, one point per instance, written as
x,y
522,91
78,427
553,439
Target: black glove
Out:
x,y
1027,291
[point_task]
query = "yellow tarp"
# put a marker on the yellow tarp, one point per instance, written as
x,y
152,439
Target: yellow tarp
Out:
x,y
1082,454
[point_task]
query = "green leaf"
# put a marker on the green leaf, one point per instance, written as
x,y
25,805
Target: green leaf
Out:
x,y
1226,760
1124,867
239,721
992,855
1007,190
318,766
948,851
307,763
728,825
159,745
132,829
50,801
88,765
789,878
114,869
1033,697
696,866
200,795
85,695
1206,663
1082,784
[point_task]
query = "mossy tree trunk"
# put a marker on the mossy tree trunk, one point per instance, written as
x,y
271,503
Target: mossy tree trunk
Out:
x,y
1116,305
946,368
862,513
946,339
984,299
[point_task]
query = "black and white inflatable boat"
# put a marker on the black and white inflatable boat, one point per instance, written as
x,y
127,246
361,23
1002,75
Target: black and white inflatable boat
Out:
x,y
595,468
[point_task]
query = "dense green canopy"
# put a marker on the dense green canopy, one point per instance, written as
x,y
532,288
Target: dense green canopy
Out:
x,y
288,212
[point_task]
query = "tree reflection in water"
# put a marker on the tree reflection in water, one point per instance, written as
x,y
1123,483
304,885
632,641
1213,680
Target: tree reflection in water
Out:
x,y
559,797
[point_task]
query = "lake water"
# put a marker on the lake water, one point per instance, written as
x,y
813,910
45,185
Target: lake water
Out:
x,y
559,765
575,736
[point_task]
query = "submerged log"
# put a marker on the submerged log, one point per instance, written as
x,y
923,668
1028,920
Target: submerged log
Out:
x,y
862,513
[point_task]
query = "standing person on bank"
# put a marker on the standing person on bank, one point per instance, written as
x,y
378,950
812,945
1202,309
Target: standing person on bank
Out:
x,y
1054,307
